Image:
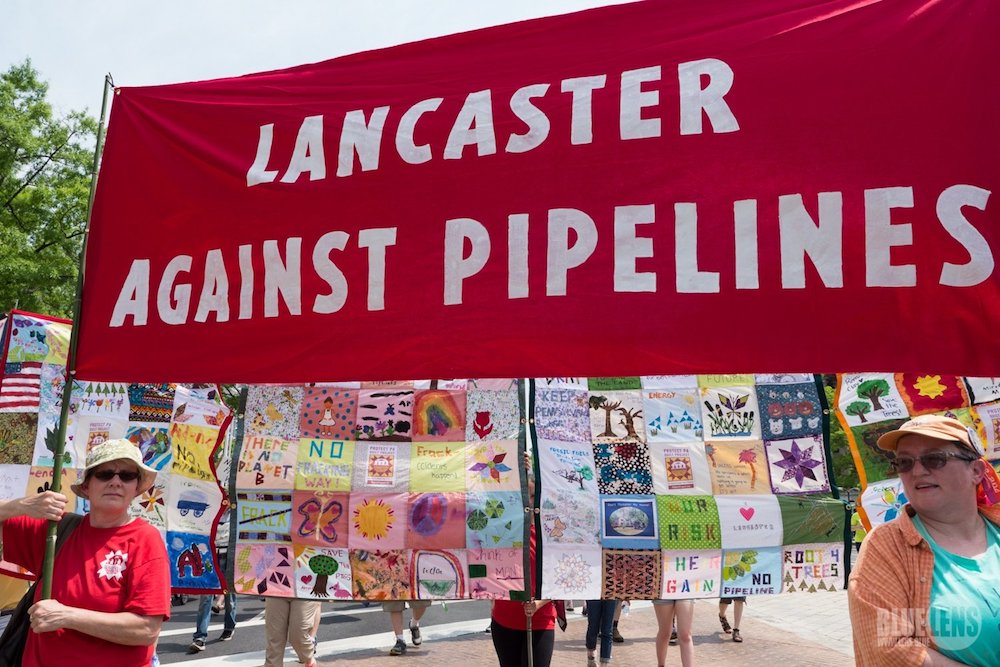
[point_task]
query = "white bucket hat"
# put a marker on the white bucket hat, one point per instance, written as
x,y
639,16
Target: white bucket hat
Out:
x,y
116,450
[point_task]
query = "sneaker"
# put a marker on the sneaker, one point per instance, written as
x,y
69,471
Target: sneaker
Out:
x,y
155,662
415,635
673,636
226,635
197,646
616,636
399,648
591,662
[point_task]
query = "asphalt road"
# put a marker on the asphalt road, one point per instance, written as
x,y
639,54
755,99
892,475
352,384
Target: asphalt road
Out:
x,y
367,626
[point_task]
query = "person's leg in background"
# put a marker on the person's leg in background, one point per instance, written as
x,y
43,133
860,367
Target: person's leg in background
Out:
x,y
201,624
276,611
684,612
395,610
594,610
608,609
664,610
417,609
302,616
737,616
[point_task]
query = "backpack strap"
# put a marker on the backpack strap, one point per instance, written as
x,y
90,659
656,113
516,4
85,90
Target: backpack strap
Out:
x,y
67,524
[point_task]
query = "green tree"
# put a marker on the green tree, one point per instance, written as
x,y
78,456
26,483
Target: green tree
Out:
x,y
45,170
858,409
873,390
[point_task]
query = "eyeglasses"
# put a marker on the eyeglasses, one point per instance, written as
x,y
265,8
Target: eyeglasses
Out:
x,y
123,475
930,460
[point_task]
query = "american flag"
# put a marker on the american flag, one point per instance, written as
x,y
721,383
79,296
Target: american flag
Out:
x,y
20,386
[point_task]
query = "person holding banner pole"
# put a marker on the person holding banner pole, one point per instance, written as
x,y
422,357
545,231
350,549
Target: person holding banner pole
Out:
x,y
924,589
514,625
111,579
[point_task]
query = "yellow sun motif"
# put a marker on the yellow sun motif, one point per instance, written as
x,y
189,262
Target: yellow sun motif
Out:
x,y
373,519
929,386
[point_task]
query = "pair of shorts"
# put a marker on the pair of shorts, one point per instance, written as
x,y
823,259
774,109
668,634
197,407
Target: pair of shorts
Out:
x,y
729,600
400,605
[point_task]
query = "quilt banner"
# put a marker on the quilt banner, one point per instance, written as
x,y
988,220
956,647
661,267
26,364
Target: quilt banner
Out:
x,y
641,174
871,404
423,498
177,428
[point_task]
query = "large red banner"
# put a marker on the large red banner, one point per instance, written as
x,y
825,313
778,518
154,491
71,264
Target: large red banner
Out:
x,y
654,188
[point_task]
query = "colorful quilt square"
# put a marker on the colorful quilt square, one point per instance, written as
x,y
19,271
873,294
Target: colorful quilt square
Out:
x,y
381,575
194,505
274,410
328,413
378,521
629,522
494,520
436,521
738,467
264,516
673,415
869,398
264,569
616,416
924,392
439,574
266,462
320,518
789,410
492,466
562,413
146,402
324,465
810,568
688,523
192,563
385,414
749,522
691,574
492,415
797,465
632,575
495,573
623,468
439,415
680,468
17,437
572,573
751,572
322,574
381,467
437,466
730,413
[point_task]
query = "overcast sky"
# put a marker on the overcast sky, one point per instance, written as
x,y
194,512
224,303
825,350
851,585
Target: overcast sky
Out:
x,y
74,43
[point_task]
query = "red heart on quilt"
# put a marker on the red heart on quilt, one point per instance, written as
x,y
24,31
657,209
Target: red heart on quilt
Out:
x,y
307,579
747,512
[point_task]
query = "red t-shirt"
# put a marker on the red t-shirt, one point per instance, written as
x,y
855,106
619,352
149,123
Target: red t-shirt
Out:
x,y
510,614
102,569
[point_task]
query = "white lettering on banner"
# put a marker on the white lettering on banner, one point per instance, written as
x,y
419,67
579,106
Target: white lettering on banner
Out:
x,y
282,278
638,99
949,212
801,236
571,240
458,267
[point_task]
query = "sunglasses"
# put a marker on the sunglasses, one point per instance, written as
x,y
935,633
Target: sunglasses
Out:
x,y
123,475
930,461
